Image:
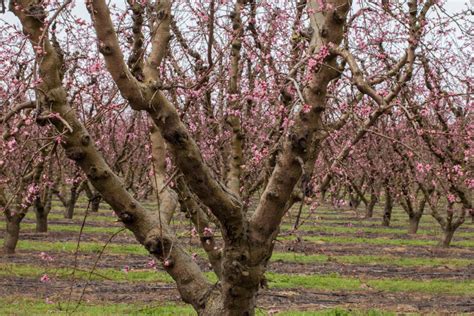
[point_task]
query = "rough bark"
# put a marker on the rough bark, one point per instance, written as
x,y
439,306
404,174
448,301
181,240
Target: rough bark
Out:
x,y
246,249
447,237
95,203
288,169
236,152
79,147
41,222
69,200
369,208
71,203
93,196
42,202
414,221
387,213
42,207
12,218
449,224
12,233
167,198
202,223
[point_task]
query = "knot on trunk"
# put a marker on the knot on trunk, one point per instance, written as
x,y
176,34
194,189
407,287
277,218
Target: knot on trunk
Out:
x,y
37,12
105,49
127,218
299,142
57,94
97,174
158,246
85,140
176,137
75,153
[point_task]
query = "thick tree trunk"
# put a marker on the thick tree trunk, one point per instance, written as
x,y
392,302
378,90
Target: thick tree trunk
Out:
x,y
323,195
447,238
69,214
94,197
71,203
387,213
414,221
216,305
369,208
95,203
354,200
41,222
12,234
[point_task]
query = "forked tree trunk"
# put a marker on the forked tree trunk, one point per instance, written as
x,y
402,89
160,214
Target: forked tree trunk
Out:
x,y
447,237
414,222
69,214
449,224
94,197
41,222
323,195
354,200
387,213
369,208
95,203
42,207
242,264
12,233
71,203
216,305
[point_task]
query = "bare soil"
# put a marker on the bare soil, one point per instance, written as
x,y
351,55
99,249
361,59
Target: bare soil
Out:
x,y
107,291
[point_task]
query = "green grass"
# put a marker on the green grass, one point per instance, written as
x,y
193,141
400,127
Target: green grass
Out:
x,y
16,306
23,306
135,249
435,231
420,237
92,217
335,282
332,282
384,241
31,271
337,312
75,228
372,260
429,235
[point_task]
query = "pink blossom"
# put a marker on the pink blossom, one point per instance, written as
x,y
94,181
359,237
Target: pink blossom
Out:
x,y
44,256
208,232
45,278
306,108
151,263
451,198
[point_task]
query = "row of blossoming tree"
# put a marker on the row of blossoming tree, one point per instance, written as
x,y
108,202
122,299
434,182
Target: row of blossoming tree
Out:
x,y
234,111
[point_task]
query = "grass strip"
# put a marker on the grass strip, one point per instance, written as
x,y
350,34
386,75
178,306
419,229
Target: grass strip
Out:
x,y
383,241
22,306
373,260
328,282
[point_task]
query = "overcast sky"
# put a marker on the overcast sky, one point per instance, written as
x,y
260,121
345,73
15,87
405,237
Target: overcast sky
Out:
x,y
451,6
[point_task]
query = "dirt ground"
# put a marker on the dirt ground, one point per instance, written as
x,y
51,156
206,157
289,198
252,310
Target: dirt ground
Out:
x,y
107,291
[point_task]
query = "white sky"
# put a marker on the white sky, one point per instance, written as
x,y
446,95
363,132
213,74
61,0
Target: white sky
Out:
x,y
452,6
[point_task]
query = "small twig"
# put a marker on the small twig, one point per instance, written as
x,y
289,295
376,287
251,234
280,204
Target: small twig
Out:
x,y
77,252
92,271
